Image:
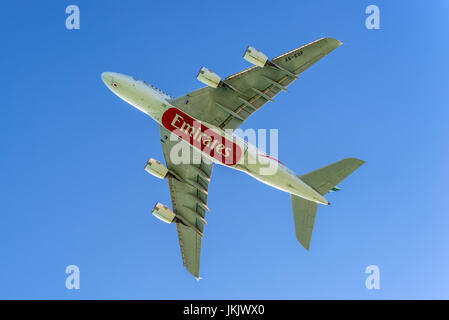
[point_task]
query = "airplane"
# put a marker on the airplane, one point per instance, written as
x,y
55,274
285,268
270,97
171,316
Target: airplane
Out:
x,y
203,120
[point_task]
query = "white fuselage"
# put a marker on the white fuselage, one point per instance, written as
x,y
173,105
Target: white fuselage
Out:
x,y
156,104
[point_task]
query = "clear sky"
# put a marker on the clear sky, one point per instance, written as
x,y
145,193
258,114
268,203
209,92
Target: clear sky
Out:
x,y
73,189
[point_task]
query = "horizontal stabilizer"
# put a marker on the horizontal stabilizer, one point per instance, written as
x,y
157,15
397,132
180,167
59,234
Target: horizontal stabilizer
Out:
x,y
326,178
322,180
304,216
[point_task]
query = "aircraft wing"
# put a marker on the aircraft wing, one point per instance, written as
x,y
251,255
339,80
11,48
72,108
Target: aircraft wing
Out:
x,y
228,109
188,191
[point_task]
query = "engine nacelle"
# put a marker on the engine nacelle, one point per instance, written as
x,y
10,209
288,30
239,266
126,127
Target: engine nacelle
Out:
x,y
156,168
163,213
209,78
254,56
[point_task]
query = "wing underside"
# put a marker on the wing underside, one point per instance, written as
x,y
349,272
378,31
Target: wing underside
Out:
x,y
188,184
228,109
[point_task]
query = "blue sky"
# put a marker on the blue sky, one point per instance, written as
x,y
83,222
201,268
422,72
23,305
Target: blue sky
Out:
x,y
73,189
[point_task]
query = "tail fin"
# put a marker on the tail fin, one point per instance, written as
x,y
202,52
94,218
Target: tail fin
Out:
x,y
322,180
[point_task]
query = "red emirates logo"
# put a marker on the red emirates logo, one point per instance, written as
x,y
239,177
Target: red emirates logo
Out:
x,y
201,137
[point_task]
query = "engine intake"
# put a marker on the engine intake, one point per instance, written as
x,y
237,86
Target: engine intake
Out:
x,y
254,56
258,58
156,168
163,213
209,78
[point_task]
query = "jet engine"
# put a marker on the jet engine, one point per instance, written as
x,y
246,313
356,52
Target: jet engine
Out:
x,y
209,78
156,168
254,56
163,213
258,58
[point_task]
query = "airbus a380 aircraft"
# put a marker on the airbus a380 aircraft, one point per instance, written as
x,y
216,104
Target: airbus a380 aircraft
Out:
x,y
203,119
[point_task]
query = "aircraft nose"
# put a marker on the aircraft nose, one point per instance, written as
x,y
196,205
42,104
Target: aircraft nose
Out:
x,y
107,77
